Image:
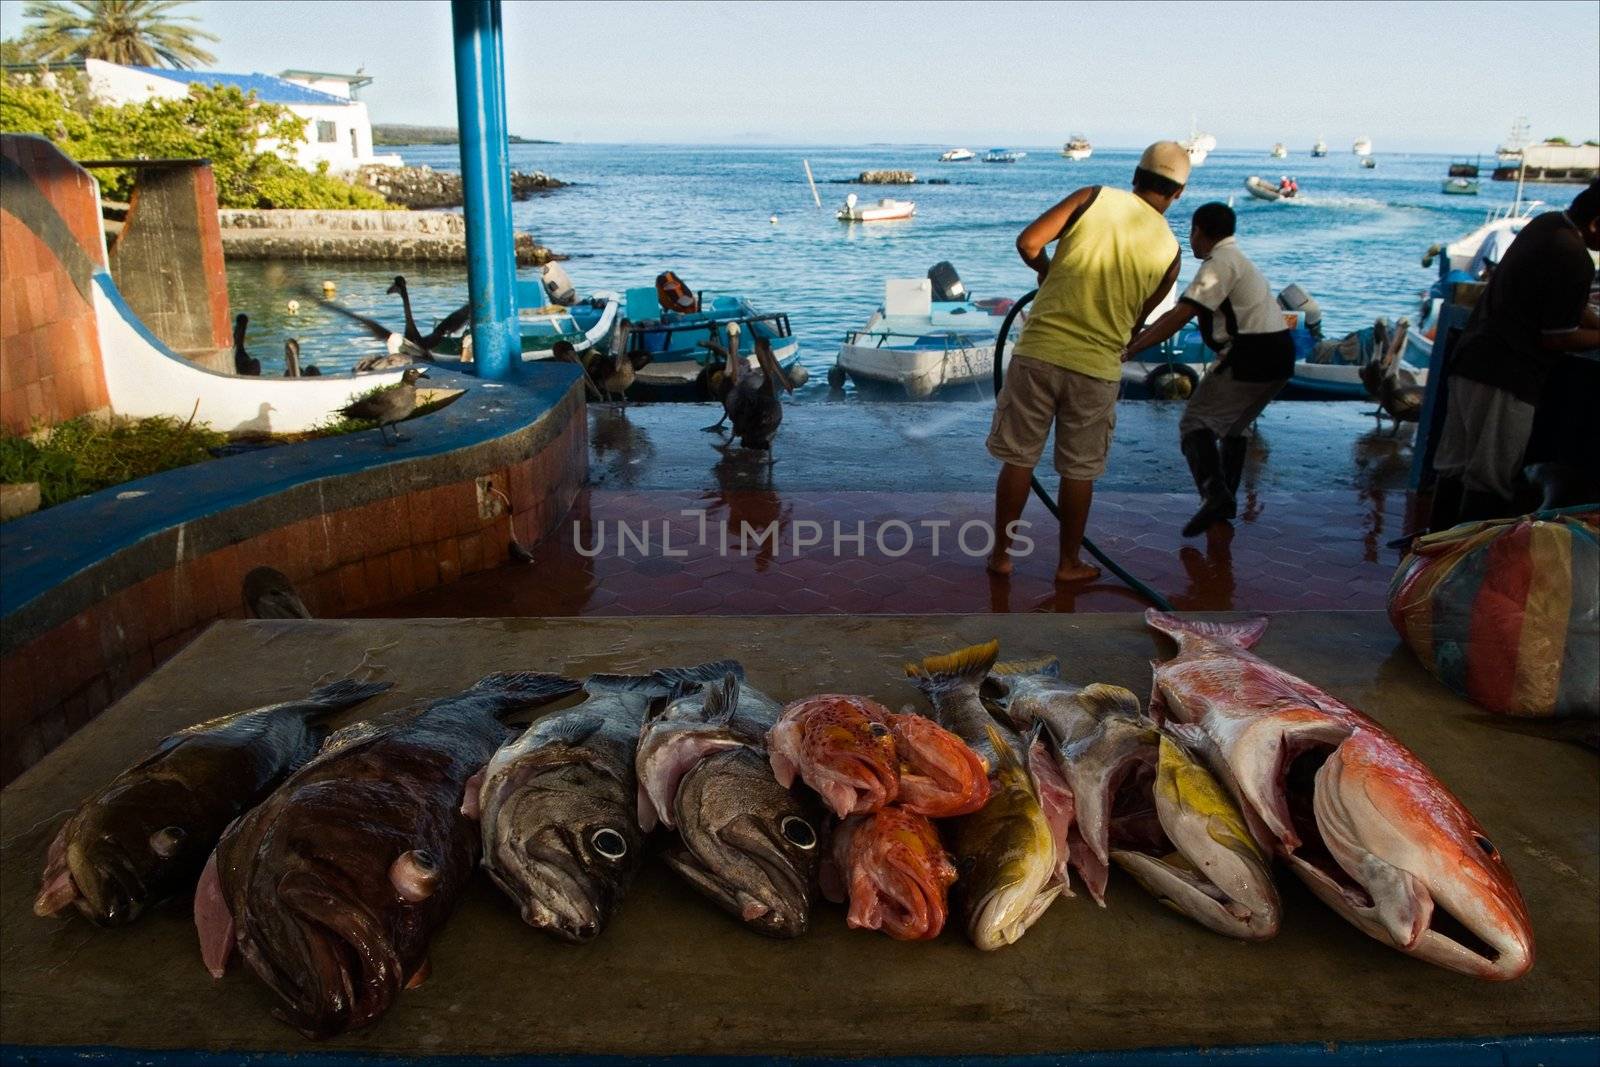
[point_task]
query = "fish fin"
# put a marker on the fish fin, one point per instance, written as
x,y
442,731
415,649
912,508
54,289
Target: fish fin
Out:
x,y
1243,634
471,805
1104,699
57,891
1160,711
1005,755
213,919
722,700
420,975
626,683
684,680
526,688
346,693
1048,666
954,670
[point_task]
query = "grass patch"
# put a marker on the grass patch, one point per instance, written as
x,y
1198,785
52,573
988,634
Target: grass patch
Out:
x,y
84,455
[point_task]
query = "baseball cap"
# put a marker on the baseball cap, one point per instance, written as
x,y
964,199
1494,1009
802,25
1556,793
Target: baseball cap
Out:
x,y
1168,159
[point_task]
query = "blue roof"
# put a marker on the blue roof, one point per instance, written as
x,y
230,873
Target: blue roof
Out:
x,y
271,89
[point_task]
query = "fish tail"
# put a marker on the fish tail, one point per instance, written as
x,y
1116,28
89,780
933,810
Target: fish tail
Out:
x,y
522,689
963,668
1242,634
1048,666
345,693
681,680
1107,699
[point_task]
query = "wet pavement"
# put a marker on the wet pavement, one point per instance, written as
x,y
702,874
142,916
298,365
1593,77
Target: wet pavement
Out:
x,y
884,509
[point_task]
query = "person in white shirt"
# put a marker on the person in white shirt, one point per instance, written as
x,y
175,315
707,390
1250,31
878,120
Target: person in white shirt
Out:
x,y
1241,322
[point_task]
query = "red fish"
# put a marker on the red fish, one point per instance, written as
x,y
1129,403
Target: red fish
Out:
x,y
940,777
896,872
1354,813
842,747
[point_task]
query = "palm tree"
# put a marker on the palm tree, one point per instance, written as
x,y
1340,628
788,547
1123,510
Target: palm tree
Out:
x,y
145,33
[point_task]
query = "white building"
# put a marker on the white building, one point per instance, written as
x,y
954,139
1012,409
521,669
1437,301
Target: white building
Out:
x,y
338,130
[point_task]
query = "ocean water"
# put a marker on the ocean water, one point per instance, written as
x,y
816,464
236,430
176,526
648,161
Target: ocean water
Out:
x,y
1354,239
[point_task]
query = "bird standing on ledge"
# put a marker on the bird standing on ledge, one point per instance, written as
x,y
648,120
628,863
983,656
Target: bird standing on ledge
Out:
x,y
388,406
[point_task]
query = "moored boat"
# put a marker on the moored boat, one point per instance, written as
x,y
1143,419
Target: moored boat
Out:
x,y
1460,186
1362,146
884,210
584,325
1199,145
1319,149
928,337
1078,147
1463,260
1002,155
1279,151
958,155
665,349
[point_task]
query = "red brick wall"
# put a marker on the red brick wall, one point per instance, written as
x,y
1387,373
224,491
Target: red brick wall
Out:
x,y
49,352
341,562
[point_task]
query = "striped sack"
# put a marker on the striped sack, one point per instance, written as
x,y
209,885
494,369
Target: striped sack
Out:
x,y
1505,612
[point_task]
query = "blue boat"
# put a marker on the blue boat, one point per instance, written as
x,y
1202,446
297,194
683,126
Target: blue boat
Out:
x,y
1002,155
665,346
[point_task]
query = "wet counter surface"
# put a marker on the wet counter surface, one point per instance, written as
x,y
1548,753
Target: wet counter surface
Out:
x,y
675,975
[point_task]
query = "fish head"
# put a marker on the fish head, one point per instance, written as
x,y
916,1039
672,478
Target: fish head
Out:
x,y
748,843
1393,851
842,747
566,844
898,874
940,775
132,847
1005,858
1206,866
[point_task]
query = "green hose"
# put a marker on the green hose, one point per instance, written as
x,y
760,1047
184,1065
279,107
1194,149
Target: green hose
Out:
x,y
1038,488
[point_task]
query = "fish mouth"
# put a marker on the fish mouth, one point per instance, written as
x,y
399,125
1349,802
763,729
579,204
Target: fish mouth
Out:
x,y
852,783
904,900
1002,915
110,891
554,893
324,955
749,876
1459,916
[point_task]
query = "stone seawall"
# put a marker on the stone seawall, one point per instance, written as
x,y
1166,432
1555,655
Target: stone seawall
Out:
x,y
423,187
402,236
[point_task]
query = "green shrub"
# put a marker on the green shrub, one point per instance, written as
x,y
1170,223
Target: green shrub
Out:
x,y
213,122
84,455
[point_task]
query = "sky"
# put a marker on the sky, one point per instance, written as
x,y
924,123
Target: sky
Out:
x,y
1447,77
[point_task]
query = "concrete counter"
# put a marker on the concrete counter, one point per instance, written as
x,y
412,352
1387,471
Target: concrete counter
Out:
x,y
674,975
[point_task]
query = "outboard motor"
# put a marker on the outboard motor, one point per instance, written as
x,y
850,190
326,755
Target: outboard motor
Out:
x,y
558,287
947,285
1294,298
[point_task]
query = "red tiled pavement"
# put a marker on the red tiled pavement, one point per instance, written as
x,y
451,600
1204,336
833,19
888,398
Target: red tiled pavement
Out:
x,y
1288,550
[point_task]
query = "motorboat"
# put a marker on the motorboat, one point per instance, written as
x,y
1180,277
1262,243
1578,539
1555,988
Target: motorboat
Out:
x,y
1327,369
958,155
928,337
1319,149
1279,151
585,325
1464,168
1262,189
665,347
884,210
1466,259
1172,369
1199,145
1362,146
1460,186
1077,148
1002,155
1368,162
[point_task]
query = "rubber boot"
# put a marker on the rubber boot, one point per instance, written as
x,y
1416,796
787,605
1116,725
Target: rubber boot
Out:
x,y
1200,449
1234,450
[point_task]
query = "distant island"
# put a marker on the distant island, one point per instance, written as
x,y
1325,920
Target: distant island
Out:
x,y
397,133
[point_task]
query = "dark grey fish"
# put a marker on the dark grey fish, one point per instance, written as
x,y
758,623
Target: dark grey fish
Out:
x,y
146,835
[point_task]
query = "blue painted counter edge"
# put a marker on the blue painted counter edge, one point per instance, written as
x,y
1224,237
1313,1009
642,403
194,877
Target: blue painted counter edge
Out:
x,y
1546,1050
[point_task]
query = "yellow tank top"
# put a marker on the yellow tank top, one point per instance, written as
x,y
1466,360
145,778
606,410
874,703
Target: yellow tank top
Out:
x,y
1102,272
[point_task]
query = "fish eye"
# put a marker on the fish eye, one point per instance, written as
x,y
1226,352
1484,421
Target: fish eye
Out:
x,y
166,841
798,832
609,843
1485,844
878,729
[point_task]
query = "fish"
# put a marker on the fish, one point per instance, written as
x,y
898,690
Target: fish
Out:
x,y
146,835
1005,852
333,887
682,734
895,872
558,813
842,747
860,757
1138,799
1348,807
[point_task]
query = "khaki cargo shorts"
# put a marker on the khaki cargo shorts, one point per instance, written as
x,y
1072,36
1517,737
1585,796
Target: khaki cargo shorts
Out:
x,y
1036,395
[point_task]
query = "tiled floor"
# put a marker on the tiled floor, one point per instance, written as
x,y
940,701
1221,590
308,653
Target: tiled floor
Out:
x,y
1288,550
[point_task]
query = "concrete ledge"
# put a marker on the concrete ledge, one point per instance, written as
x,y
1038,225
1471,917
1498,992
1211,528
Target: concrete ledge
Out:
x,y
96,592
420,236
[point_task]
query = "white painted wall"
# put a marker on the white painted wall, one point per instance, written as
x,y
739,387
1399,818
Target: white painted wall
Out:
x,y
334,86
116,84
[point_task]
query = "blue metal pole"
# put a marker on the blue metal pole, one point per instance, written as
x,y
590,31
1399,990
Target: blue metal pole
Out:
x,y
486,181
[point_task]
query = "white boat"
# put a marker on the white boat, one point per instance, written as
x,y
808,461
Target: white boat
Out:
x,y
1279,151
1078,147
916,346
1199,145
1362,146
1171,370
1510,153
883,211
1463,260
1002,155
1319,149
958,155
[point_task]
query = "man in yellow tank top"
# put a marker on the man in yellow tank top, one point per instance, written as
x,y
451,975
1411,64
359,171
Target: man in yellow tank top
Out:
x,y
1115,259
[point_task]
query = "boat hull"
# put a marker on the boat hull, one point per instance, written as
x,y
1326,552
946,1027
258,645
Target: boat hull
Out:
x,y
679,376
1336,381
921,373
1262,190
